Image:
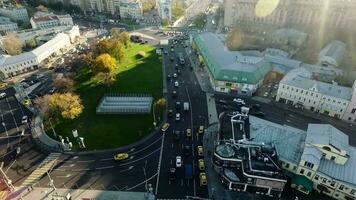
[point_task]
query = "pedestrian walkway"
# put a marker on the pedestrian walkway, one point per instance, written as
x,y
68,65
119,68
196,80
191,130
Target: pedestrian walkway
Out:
x,y
40,193
213,115
41,170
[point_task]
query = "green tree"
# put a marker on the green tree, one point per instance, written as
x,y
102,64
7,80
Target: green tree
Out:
x,y
31,44
177,10
104,63
104,46
118,51
124,38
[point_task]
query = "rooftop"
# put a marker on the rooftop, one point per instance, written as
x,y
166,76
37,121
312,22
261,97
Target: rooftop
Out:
x,y
335,49
302,78
44,18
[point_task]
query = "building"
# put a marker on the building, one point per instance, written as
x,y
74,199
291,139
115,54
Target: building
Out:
x,y
164,8
14,65
7,26
15,14
48,20
131,9
246,166
332,54
298,88
350,113
319,158
300,14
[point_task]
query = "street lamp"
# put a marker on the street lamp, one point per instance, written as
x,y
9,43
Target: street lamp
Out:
x,y
7,134
154,115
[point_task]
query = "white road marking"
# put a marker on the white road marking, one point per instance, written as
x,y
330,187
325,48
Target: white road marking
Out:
x,y
106,159
159,164
66,176
123,164
85,169
107,167
142,182
128,169
85,160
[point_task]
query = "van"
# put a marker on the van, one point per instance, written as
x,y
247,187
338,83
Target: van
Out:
x,y
186,106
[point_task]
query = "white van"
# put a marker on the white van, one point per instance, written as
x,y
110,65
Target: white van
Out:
x,y
186,106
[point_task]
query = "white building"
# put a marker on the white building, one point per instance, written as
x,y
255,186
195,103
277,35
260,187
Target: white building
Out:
x,y
13,65
319,158
298,88
15,14
7,26
350,113
50,20
131,9
164,8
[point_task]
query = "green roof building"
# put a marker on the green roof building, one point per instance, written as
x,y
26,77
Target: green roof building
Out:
x,y
231,71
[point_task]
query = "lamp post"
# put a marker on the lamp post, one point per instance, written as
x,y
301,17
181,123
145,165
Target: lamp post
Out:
x,y
7,134
154,114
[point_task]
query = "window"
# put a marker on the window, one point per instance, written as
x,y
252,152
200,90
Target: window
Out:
x,y
341,187
309,174
333,157
353,191
301,171
316,177
332,183
287,165
353,110
324,180
301,91
296,90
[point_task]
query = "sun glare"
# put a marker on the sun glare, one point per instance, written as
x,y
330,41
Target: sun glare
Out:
x,y
265,7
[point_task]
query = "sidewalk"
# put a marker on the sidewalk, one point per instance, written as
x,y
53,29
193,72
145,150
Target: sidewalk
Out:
x,y
39,193
213,115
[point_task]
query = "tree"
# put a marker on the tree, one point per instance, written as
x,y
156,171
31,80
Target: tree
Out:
x,y
42,8
118,51
165,22
104,46
63,84
11,44
234,39
115,32
162,102
31,43
105,78
148,5
104,63
124,38
66,105
177,10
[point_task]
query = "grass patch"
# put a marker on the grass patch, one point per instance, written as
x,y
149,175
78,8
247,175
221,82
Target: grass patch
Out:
x,y
134,75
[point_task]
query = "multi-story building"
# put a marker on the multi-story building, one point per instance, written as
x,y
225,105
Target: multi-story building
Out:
x,y
319,158
350,113
243,165
298,88
332,54
301,13
7,26
164,8
18,14
131,9
49,20
13,65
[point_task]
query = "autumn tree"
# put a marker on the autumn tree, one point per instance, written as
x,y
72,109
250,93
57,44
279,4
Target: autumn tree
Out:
x,y
67,105
11,44
63,84
124,38
104,46
118,51
104,63
115,32
105,78
161,103
42,8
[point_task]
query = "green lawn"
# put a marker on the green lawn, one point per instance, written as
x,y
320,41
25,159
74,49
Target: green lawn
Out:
x,y
134,75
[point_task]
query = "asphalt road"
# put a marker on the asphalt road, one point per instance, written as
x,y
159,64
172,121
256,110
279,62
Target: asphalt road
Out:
x,y
188,91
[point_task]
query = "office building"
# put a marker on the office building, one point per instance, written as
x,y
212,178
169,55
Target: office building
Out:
x,y
48,20
7,26
16,14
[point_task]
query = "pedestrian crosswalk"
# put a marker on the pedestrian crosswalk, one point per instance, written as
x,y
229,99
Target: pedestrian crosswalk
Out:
x,y
41,170
3,194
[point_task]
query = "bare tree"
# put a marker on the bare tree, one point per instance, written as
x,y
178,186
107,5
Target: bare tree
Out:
x,y
11,44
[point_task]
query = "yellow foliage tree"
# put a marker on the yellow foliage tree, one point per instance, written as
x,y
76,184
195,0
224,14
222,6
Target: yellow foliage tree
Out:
x,y
104,63
11,44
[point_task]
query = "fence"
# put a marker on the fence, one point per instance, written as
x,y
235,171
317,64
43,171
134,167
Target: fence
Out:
x,y
125,104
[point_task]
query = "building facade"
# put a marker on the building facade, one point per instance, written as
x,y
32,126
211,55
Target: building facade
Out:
x,y
301,13
15,14
14,65
50,20
299,89
7,26
131,9
350,113
164,8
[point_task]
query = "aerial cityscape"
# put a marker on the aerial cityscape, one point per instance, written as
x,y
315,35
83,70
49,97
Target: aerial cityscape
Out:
x,y
177,99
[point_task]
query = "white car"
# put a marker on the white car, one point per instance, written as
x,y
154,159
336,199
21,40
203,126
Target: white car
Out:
x,y
175,75
239,101
178,161
177,116
176,84
265,94
24,119
2,95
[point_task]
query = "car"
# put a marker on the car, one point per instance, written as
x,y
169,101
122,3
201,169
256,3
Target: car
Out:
x,y
172,49
121,156
170,113
239,101
171,58
189,132
200,150
176,135
2,95
178,161
24,119
202,179
266,94
174,94
187,150
52,90
178,105
177,116
176,66
165,52
176,84
3,85
221,101
201,164
175,75
165,127
178,72
201,129
169,77
172,173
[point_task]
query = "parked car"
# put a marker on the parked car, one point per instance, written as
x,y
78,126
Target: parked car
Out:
x,y
200,150
177,116
189,132
176,135
178,161
201,164
165,127
170,113
239,101
24,119
202,178
176,84
187,150
172,174
201,129
2,95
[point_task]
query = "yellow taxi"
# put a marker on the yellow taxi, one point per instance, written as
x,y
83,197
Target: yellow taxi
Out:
x,y
165,127
200,150
3,85
201,129
202,178
26,102
189,132
121,156
201,164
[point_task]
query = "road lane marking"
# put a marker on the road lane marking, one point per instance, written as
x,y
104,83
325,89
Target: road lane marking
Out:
x,y
78,170
159,164
142,182
85,160
155,151
107,167
128,169
104,159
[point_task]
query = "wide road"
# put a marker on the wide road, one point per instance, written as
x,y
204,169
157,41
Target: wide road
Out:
x,y
187,91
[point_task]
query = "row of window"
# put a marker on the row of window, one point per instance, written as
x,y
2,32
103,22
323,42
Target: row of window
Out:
x,y
24,64
332,184
301,91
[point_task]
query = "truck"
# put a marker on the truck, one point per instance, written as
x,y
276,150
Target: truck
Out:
x,y
186,106
188,168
